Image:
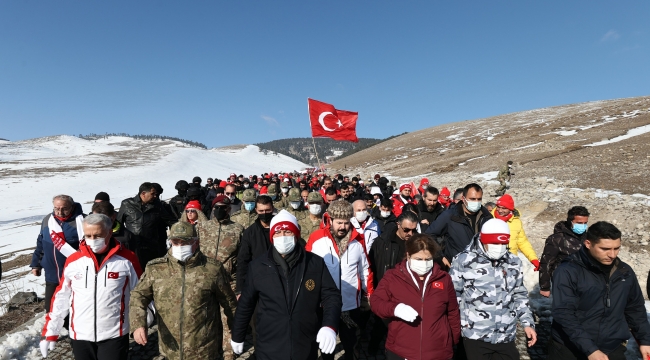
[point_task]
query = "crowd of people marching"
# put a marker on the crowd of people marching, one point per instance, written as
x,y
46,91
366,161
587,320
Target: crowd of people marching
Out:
x,y
300,259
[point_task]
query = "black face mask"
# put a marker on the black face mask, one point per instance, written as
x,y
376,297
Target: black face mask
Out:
x,y
220,212
265,218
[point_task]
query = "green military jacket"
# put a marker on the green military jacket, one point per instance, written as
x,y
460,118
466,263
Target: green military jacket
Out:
x,y
220,241
187,298
244,218
308,226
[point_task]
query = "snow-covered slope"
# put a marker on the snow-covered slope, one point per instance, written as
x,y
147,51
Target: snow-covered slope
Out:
x,y
33,171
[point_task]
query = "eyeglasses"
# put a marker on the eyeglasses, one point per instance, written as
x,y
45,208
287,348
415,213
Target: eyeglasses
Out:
x,y
407,230
228,194
61,209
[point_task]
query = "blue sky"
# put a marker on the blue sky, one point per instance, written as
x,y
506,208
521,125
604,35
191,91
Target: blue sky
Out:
x,y
232,72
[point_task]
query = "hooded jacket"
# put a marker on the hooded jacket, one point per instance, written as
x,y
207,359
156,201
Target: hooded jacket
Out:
x,y
518,239
593,310
453,230
491,294
436,330
350,270
561,244
46,256
385,224
95,295
429,216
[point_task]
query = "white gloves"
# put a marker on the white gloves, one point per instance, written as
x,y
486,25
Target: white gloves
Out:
x,y
237,348
46,346
405,312
326,340
151,314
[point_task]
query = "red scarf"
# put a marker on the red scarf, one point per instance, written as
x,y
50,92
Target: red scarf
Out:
x,y
504,218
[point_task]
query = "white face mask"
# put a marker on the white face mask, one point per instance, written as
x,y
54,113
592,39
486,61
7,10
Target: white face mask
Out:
x,y
182,253
496,251
420,267
231,197
284,244
246,186
385,214
98,246
295,204
361,215
314,209
473,206
285,190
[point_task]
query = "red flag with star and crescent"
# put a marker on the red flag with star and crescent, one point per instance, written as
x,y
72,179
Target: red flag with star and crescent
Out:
x,y
327,121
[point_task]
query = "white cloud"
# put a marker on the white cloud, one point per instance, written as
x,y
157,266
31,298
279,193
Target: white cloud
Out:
x,y
611,35
269,120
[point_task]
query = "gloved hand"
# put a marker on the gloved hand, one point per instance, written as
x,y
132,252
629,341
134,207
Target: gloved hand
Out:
x,y
536,263
326,340
405,312
46,346
237,348
151,314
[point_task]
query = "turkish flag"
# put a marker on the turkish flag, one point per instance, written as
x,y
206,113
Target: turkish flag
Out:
x,y
113,275
438,285
327,121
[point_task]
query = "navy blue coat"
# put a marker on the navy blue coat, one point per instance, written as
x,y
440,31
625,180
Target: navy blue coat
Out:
x,y
592,312
454,232
45,256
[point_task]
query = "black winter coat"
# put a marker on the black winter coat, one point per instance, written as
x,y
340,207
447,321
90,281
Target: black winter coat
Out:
x,y
255,242
593,311
385,224
283,332
429,216
178,204
385,253
453,230
146,222
561,244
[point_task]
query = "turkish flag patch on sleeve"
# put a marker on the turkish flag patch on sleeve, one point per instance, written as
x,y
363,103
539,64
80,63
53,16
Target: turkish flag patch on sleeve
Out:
x,y
113,275
438,285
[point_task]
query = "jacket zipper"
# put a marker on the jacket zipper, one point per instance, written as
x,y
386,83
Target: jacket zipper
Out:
x,y
182,311
95,301
422,317
86,277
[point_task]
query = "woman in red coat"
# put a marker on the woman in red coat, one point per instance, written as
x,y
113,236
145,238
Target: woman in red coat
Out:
x,y
420,300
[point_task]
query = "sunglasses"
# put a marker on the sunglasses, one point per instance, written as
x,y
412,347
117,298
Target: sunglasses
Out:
x,y
407,230
190,211
228,194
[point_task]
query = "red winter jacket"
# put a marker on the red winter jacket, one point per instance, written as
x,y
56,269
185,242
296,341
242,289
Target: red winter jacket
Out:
x,y
432,335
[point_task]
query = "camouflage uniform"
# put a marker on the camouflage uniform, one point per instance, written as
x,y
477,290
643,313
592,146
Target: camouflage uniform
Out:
x,y
220,241
491,295
307,225
187,297
504,175
279,202
244,217
300,212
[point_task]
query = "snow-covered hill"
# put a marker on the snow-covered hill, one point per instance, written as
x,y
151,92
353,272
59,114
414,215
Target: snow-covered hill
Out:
x,y
33,171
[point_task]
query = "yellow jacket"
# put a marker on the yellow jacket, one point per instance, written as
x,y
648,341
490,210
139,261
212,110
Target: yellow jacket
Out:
x,y
518,239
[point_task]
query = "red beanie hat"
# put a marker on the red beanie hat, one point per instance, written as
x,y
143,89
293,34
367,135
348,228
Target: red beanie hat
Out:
x,y
221,198
223,184
424,181
194,204
495,231
507,202
445,192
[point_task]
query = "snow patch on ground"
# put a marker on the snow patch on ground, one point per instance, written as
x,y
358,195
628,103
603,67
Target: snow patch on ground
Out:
x,y
23,344
630,133
528,146
566,132
488,175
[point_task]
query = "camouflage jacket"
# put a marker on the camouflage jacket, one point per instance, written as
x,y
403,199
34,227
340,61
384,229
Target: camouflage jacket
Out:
x,y
491,294
280,204
220,241
504,173
244,218
299,214
308,226
187,297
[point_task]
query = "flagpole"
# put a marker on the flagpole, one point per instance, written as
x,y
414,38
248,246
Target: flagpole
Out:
x,y
312,138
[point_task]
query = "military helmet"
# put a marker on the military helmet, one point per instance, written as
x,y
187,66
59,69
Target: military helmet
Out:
x,y
272,189
314,197
182,230
294,194
284,184
248,195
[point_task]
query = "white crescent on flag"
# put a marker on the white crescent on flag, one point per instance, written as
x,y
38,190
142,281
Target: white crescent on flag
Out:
x,y
321,120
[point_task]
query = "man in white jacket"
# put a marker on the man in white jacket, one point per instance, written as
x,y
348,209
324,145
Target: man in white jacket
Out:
x,y
340,245
95,290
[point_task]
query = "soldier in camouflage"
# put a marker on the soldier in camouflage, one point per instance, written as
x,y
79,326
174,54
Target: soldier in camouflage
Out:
x,y
504,175
278,202
188,288
491,295
220,238
311,223
247,215
295,206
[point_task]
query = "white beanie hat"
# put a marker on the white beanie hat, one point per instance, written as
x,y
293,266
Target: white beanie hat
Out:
x,y
495,231
284,221
375,190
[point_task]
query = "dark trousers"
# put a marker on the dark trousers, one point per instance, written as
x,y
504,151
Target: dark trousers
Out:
x,y
49,293
481,350
349,337
392,356
559,351
111,349
377,334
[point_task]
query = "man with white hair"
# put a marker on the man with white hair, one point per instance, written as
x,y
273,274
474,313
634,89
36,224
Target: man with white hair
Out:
x,y
95,289
59,238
